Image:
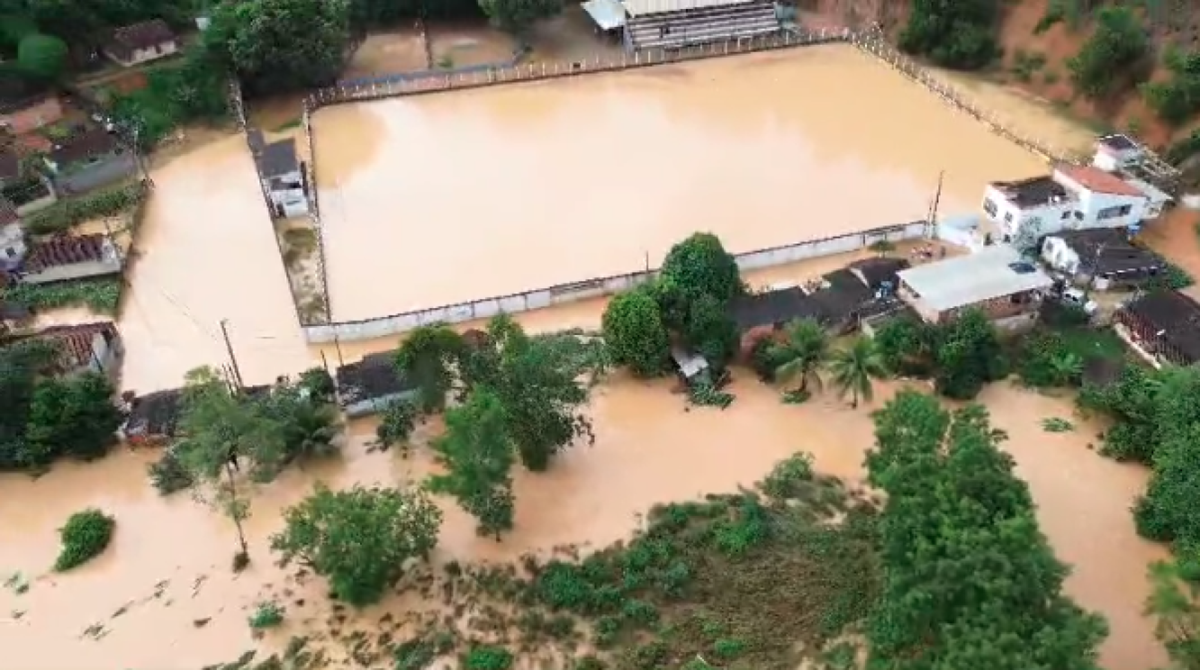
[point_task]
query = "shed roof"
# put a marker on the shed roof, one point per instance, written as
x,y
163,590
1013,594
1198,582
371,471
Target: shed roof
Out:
x,y
144,34
773,308
374,376
1108,251
155,413
278,158
75,342
876,271
994,272
608,14
648,7
89,142
65,250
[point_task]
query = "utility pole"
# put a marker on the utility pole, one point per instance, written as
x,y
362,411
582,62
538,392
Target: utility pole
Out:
x,y
237,372
937,199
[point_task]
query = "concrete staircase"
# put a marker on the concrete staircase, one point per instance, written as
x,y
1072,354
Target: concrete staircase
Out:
x,y
701,26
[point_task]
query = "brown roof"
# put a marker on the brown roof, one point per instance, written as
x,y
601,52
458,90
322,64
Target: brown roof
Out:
x,y
76,341
90,142
1094,179
66,250
143,35
8,213
10,164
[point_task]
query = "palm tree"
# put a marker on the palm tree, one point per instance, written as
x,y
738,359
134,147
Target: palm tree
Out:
x,y
855,367
806,348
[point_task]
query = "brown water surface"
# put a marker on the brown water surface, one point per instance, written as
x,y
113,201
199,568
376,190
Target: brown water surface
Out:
x,y
443,198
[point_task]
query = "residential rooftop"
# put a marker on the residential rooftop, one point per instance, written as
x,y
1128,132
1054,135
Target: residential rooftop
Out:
x,y
1118,142
154,414
876,272
648,7
65,250
1033,192
143,35
373,377
88,142
1098,181
1109,251
75,342
1175,315
996,271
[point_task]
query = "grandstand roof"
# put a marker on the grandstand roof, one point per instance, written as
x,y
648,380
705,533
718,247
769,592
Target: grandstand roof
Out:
x,y
646,7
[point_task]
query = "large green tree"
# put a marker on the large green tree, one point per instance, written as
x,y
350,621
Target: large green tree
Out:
x,y
1175,602
359,539
478,456
1106,61
74,416
635,334
958,34
968,355
427,357
42,56
517,16
281,45
697,266
970,581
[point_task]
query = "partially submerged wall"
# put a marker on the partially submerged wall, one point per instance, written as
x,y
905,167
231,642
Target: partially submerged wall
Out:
x,y
483,308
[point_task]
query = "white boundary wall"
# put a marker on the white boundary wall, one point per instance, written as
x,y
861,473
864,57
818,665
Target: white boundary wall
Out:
x,y
369,329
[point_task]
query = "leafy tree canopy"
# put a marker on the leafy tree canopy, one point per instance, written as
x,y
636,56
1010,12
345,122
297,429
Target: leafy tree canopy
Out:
x,y
516,16
1119,44
360,538
42,56
970,581
958,34
968,355
635,334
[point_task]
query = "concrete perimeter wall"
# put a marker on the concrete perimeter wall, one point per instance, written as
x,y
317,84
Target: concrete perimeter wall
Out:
x,y
368,329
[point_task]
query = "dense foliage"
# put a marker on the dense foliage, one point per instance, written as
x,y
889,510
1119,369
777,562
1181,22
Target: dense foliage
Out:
x,y
961,355
1176,99
953,33
85,536
100,295
68,213
1175,601
360,538
1117,47
635,334
853,369
969,579
799,357
44,417
192,90
516,16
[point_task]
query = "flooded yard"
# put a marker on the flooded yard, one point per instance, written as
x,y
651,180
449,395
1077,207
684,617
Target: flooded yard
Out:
x,y
450,197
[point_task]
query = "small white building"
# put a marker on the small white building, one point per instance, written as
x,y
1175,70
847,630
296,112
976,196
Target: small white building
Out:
x,y
1102,257
1072,197
282,175
1117,152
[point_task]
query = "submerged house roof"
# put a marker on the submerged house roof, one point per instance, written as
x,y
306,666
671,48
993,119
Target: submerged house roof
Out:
x,y
155,413
1108,251
375,376
66,250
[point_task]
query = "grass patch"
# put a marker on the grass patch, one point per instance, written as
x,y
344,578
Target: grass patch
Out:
x,y
100,295
1056,355
66,214
266,615
84,537
1057,425
298,244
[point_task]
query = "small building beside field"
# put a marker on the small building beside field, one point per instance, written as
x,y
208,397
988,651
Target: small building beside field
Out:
x,y
281,173
998,280
70,257
89,159
142,42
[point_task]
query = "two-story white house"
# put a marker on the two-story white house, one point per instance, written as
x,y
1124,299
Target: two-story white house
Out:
x,y
282,175
1072,197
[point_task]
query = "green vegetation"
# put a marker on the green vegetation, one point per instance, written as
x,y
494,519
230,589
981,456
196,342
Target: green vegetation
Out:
x,y
99,295
42,56
266,615
84,537
1056,355
1177,99
961,355
1026,64
169,474
969,580
516,16
223,427
635,334
44,417
176,94
359,538
1114,55
853,369
805,348
959,35
66,214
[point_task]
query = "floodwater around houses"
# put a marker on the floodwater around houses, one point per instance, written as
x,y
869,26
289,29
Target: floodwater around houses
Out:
x,y
162,597
448,197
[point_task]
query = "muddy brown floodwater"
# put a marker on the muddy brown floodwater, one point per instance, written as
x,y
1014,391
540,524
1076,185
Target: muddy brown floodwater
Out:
x,y
450,197
163,597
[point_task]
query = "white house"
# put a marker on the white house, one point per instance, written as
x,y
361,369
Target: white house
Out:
x,y
1103,257
1117,152
282,175
142,42
1072,197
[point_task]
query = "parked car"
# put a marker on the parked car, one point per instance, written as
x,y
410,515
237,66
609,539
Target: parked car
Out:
x,y
1077,297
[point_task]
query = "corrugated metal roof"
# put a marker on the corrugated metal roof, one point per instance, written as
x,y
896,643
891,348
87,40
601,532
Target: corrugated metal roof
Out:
x,y
646,7
608,14
994,272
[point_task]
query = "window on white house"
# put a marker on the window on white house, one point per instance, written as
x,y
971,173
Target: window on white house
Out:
x,y
10,252
990,207
1114,212
1008,217
1066,215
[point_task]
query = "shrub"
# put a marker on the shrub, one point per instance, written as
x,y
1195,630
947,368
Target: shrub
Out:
x,y
788,476
84,537
169,475
100,295
266,615
1118,46
488,658
635,334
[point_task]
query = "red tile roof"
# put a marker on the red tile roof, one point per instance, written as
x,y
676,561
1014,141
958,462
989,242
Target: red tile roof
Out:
x,y
66,250
75,342
1094,179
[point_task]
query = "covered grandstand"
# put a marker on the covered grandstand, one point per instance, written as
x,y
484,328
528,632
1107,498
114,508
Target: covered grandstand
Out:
x,y
674,24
